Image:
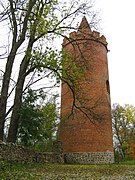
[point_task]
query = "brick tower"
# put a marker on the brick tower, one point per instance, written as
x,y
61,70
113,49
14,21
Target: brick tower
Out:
x,y
86,127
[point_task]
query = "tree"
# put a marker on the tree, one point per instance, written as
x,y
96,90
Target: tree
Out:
x,y
38,121
50,126
33,25
123,118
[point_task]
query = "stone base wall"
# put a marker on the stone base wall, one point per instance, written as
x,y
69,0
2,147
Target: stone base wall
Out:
x,y
16,153
89,158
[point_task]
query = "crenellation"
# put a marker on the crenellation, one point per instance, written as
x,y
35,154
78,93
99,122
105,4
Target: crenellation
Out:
x,y
103,40
73,34
96,34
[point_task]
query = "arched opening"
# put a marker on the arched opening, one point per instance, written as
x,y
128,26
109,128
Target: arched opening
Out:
x,y
107,86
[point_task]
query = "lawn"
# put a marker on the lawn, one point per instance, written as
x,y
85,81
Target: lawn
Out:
x,y
17,171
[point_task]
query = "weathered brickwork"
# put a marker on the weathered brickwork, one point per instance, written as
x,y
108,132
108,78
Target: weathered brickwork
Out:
x,y
88,129
90,158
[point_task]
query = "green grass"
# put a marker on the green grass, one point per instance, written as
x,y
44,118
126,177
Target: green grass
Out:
x,y
18,171
128,162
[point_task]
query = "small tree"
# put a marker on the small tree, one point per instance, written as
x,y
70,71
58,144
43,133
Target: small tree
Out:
x,y
123,118
38,122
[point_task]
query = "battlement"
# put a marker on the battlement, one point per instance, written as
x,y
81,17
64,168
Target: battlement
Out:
x,y
85,33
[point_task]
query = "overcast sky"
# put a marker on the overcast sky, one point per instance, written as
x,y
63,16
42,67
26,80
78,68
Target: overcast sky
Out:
x,y
118,23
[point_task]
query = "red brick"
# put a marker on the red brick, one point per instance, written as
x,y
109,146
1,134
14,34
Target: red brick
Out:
x,y
91,133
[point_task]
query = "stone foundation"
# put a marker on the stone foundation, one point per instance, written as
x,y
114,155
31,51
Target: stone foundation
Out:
x,y
89,158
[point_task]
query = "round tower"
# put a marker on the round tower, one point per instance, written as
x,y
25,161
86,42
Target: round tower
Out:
x,y
86,127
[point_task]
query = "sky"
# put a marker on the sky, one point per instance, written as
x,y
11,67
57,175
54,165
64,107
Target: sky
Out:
x,y
118,26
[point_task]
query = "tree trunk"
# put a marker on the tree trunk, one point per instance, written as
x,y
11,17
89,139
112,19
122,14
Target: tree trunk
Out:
x,y
10,60
4,90
17,102
12,134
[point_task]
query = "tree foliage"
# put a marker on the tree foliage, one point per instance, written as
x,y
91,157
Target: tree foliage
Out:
x,y
124,129
38,122
33,28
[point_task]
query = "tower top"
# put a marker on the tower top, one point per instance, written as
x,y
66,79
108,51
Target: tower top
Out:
x,y
84,32
84,26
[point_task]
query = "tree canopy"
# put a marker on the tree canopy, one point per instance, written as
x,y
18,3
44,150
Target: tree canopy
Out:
x,y
33,27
